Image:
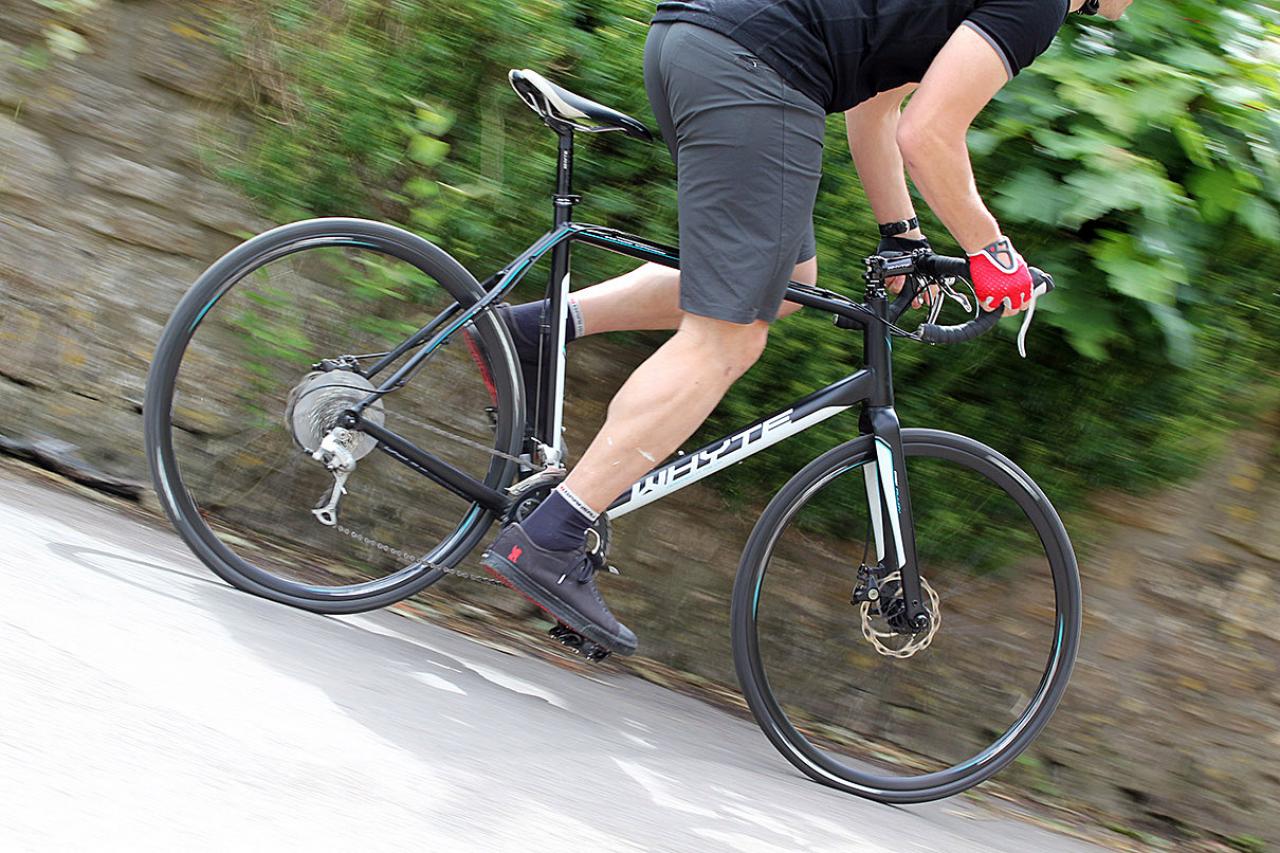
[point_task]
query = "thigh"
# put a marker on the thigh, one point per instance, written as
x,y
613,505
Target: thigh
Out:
x,y
750,157
655,89
808,246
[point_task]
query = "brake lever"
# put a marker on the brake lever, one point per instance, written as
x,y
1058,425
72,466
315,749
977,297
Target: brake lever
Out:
x,y
935,308
946,287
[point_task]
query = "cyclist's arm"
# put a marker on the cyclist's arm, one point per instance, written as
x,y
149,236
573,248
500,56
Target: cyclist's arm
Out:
x,y
964,77
872,128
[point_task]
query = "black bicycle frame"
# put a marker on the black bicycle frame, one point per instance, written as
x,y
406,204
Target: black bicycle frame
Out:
x,y
872,386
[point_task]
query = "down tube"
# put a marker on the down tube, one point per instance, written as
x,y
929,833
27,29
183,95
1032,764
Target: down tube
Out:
x,y
687,469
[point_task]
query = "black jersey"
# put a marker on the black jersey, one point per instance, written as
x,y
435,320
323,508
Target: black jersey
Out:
x,y
841,52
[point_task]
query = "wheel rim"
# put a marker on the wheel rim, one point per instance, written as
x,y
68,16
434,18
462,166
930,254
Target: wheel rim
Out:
x,y
829,715
228,463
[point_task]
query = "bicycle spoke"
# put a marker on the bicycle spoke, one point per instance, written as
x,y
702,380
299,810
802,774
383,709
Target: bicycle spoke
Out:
x,y
250,386
937,704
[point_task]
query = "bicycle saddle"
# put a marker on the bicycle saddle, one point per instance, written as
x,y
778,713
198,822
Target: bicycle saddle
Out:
x,y
547,99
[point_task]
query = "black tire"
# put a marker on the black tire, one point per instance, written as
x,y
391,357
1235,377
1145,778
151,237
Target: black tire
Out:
x,y
844,758
167,471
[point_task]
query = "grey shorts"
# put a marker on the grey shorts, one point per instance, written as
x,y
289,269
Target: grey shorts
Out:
x,y
748,153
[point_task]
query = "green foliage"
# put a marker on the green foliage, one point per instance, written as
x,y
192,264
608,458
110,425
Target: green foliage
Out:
x,y
1154,140
1247,844
61,38
1138,162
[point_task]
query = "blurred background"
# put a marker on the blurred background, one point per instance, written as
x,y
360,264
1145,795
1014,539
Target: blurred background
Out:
x,y
1138,162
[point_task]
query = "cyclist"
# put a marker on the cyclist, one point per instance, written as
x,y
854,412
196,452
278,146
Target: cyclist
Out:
x,y
741,90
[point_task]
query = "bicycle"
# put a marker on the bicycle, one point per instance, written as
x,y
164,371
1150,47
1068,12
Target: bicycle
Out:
x,y
846,663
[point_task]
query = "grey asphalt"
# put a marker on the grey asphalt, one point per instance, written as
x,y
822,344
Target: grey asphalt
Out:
x,y
145,705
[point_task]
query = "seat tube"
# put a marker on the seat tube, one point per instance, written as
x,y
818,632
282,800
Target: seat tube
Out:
x,y
549,429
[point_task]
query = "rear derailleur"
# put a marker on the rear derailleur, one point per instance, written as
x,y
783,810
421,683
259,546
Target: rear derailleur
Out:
x,y
335,454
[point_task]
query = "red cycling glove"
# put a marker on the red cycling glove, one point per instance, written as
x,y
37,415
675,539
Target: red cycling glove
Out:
x,y
1000,275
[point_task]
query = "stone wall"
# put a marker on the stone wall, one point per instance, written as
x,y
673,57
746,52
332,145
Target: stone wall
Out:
x,y
107,216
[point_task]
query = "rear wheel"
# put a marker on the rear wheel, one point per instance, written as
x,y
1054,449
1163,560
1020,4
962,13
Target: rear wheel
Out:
x,y
260,358
841,687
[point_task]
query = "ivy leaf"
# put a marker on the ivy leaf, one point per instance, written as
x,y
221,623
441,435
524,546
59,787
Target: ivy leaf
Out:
x,y
1089,321
1179,335
1261,218
1134,273
434,122
1132,184
421,188
1217,193
1083,145
1190,57
1193,141
427,151
1031,196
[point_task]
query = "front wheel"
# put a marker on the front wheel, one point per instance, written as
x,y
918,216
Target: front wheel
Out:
x,y
844,691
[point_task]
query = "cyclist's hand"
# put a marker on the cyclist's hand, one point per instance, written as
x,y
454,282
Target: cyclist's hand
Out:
x,y
906,245
1000,277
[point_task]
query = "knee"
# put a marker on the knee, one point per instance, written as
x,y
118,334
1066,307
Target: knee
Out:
x,y
806,272
732,346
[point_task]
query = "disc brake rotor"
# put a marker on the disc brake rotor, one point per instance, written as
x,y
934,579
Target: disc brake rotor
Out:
x,y
914,643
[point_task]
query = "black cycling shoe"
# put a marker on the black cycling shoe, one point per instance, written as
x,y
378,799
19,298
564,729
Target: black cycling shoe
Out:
x,y
563,584
526,354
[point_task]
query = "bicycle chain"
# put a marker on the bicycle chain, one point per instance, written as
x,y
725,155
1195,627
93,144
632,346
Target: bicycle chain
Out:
x,y
405,555
444,433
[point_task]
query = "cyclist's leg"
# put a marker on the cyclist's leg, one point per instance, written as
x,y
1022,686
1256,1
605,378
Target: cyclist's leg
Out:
x,y
751,157
663,402
648,298
750,151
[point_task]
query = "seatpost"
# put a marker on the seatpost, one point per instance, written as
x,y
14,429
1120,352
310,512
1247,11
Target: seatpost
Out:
x,y
564,197
550,390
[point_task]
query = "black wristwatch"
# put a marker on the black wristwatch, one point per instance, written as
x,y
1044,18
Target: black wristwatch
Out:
x,y
902,226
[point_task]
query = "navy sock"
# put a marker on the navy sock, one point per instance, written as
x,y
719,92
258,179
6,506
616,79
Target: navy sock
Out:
x,y
560,522
527,318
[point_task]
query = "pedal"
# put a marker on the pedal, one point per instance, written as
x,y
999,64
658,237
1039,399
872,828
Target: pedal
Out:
x,y
544,480
578,644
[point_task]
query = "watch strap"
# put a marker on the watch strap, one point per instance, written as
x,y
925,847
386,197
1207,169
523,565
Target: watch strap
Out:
x,y
902,226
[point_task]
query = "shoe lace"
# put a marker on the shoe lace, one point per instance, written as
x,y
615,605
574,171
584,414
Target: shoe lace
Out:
x,y
581,572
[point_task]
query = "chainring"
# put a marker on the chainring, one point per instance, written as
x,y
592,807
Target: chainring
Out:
x,y
597,544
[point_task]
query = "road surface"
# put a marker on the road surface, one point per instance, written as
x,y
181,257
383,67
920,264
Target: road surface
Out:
x,y
145,705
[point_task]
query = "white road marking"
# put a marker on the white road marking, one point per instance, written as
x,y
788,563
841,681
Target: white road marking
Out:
x,y
501,679
443,666
439,683
516,685
637,740
658,788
